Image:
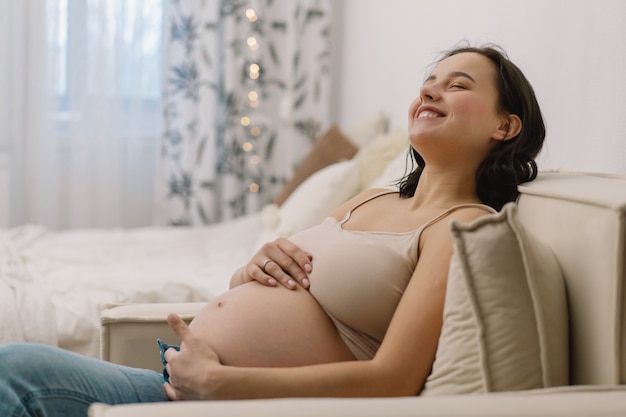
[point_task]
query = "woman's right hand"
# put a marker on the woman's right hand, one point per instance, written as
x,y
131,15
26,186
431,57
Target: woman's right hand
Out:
x,y
279,261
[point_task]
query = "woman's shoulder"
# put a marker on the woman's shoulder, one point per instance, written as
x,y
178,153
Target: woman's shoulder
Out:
x,y
470,211
462,213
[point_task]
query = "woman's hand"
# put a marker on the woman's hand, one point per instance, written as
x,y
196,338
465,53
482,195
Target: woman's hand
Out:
x,y
279,261
191,370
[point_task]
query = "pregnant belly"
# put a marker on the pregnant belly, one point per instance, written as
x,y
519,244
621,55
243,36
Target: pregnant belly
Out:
x,y
255,325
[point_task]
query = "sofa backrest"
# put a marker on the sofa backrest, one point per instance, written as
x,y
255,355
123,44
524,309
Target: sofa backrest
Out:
x,y
582,216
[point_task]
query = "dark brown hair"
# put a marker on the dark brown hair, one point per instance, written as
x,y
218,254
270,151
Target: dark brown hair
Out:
x,y
510,162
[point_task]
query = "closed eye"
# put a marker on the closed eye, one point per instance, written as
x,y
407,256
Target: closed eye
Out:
x,y
458,86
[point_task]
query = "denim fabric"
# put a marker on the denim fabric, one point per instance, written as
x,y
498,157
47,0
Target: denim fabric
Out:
x,y
40,380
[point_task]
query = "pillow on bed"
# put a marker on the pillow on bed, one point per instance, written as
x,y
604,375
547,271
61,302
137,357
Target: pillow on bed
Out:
x,y
316,198
394,171
505,325
364,129
375,156
333,146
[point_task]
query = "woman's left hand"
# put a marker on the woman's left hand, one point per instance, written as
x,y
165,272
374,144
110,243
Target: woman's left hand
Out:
x,y
191,370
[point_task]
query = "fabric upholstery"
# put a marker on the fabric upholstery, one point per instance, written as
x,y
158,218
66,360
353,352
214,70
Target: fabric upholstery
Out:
x,y
505,318
582,217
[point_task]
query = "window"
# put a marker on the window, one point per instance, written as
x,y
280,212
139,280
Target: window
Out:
x,y
106,53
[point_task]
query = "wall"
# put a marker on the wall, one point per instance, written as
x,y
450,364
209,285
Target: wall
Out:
x,y
572,51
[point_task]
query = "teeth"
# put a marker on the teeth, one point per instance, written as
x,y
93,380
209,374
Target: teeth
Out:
x,y
428,114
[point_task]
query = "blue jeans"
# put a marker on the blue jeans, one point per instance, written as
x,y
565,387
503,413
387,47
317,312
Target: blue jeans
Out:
x,y
40,380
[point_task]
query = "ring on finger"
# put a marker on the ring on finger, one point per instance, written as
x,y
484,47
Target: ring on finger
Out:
x,y
265,264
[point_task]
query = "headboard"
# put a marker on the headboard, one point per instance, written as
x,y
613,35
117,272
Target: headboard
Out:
x,y
582,216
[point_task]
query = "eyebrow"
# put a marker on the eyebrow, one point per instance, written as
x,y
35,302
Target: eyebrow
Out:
x,y
454,74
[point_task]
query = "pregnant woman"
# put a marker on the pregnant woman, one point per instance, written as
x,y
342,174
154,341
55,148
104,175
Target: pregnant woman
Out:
x,y
351,307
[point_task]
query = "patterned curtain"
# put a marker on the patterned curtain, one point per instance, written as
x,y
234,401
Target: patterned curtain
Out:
x,y
247,91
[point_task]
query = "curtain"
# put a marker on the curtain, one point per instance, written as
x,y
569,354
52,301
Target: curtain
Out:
x,y
22,46
246,93
85,111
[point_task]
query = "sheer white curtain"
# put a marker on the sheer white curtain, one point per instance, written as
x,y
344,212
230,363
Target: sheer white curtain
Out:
x,y
83,111
22,101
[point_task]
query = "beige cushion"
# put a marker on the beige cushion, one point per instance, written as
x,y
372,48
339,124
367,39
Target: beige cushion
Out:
x,y
582,217
317,197
374,158
396,169
505,316
333,146
363,129
588,401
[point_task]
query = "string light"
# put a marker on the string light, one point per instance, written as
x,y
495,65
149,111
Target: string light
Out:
x,y
251,15
252,43
254,71
253,99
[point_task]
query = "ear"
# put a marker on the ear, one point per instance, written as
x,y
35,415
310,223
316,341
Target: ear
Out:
x,y
510,127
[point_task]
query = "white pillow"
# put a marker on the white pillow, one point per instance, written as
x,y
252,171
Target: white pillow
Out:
x,y
394,171
374,157
364,130
505,324
315,198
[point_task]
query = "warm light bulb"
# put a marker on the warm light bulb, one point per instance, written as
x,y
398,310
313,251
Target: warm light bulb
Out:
x,y
253,97
254,71
255,159
252,43
245,121
246,146
254,187
255,131
251,15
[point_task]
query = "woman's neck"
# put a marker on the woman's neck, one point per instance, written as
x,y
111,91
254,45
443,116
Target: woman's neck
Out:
x,y
445,188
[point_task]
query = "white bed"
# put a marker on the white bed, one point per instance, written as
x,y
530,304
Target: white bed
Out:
x,y
53,284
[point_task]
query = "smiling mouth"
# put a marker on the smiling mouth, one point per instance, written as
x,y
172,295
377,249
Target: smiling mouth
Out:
x,y
427,114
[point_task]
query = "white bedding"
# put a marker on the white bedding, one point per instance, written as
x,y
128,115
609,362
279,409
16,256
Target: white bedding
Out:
x,y
53,284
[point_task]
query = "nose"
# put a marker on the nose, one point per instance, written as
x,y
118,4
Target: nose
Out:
x,y
429,92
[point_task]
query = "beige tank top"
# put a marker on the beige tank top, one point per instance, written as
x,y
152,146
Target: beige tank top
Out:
x,y
359,277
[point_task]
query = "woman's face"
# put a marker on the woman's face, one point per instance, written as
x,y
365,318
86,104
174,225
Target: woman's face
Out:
x,y
457,109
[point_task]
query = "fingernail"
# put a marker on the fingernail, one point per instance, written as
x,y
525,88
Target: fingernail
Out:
x,y
291,283
308,267
271,282
306,283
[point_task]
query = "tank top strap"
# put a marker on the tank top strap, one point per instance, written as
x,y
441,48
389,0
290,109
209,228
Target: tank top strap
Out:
x,y
346,217
453,208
